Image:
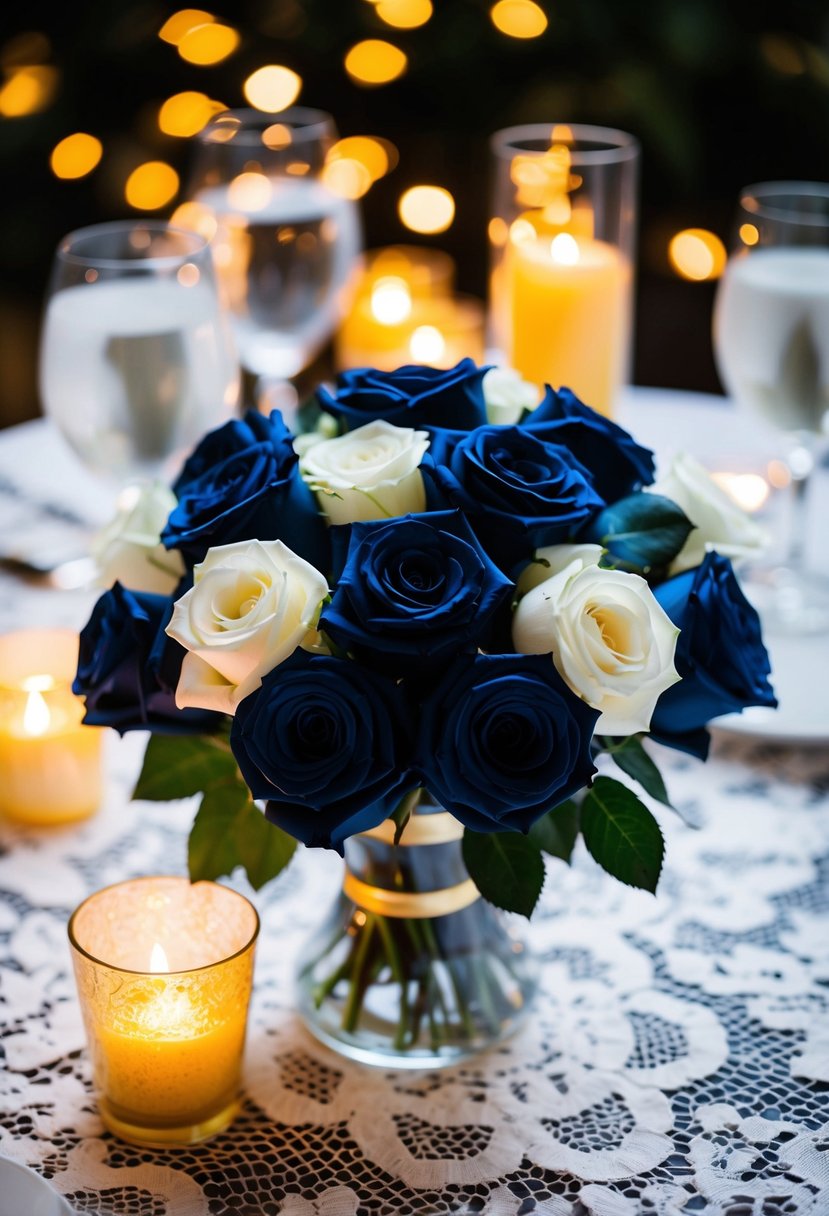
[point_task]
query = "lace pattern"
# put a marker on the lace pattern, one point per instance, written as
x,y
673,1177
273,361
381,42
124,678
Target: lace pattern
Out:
x,y
676,1061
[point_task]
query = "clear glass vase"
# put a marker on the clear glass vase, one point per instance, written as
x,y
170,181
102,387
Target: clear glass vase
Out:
x,y
412,969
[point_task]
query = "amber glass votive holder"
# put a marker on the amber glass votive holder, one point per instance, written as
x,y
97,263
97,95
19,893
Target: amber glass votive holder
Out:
x,y
50,763
164,970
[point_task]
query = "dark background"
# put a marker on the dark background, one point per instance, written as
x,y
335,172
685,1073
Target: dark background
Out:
x,y
719,94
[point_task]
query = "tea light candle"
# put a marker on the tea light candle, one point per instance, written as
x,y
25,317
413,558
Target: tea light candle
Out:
x,y
164,970
569,314
51,764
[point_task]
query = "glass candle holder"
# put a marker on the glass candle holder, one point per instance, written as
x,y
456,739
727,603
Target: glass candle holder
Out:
x,y
164,970
50,762
562,239
405,312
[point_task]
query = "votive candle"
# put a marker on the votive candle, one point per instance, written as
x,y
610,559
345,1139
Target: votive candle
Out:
x,y
50,763
164,970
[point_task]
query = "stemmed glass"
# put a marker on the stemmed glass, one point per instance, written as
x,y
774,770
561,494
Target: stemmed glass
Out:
x,y
136,358
771,340
285,244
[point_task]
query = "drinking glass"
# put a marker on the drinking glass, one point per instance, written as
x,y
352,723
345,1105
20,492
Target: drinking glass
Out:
x,y
136,358
771,340
562,237
285,244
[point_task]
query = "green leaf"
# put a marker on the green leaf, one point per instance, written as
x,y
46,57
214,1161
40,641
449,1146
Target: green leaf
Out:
x,y
178,766
212,850
263,848
642,531
621,834
632,759
403,813
506,867
555,833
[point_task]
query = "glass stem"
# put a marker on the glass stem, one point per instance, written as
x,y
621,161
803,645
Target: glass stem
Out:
x,y
801,462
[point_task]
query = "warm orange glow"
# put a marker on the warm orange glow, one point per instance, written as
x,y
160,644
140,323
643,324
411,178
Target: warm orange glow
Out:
x,y
36,715
427,209
497,231
272,88
749,490
372,154
347,178
207,44
697,254
27,91
404,14
564,249
76,155
374,62
188,274
749,234
195,217
427,344
519,18
783,55
186,114
276,136
151,185
181,23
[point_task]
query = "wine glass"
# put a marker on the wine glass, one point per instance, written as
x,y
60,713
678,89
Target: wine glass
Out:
x,y
771,340
136,358
285,244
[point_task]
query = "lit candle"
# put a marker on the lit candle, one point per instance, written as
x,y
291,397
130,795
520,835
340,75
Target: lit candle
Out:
x,y
50,763
569,313
164,970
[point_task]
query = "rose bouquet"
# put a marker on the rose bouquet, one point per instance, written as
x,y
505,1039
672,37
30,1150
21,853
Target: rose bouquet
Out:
x,y
446,598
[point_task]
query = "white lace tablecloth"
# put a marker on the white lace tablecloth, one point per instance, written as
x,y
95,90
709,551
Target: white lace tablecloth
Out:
x,y
676,1062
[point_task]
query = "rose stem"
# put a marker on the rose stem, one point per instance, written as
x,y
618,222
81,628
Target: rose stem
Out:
x,y
354,1001
394,960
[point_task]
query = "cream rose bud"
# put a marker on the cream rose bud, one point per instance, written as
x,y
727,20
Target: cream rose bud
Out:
x,y
551,559
611,642
129,550
719,523
251,605
507,396
370,473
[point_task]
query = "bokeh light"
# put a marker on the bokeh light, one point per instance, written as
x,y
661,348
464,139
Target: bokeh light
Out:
x,y
24,49
374,62
404,14
185,114
195,217
347,178
697,254
272,88
749,234
250,191
391,300
427,344
519,18
208,44
181,23
28,90
151,185
76,155
377,156
426,209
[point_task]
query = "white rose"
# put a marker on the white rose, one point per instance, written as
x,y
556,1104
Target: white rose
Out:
x,y
719,523
611,642
251,605
370,473
129,550
551,559
507,396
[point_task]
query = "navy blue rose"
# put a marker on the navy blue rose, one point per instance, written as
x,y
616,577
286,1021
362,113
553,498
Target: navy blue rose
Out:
x,y
719,655
327,742
128,668
242,481
618,464
518,491
415,589
502,740
411,396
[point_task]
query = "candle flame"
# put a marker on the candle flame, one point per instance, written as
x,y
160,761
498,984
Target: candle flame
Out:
x,y
427,344
564,249
36,716
748,490
391,300
158,958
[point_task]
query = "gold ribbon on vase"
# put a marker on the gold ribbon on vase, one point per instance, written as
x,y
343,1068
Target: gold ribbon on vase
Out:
x,y
410,904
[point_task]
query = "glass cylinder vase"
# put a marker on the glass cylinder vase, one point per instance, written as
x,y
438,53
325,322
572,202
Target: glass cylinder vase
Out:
x,y
562,238
412,969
